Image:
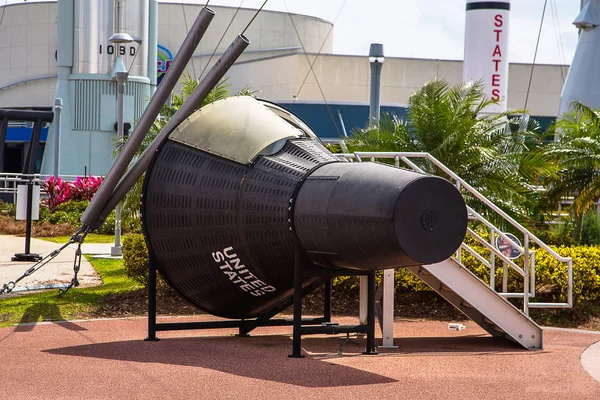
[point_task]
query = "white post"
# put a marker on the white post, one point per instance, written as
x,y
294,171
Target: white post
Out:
x,y
58,105
388,310
363,300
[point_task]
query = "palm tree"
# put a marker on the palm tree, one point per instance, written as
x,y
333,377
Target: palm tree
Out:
x,y
576,150
448,122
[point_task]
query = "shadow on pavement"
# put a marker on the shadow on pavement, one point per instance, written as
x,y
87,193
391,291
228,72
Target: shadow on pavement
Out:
x,y
259,357
44,312
467,345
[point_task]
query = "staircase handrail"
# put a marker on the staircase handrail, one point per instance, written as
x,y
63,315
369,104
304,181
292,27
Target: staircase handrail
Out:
x,y
460,183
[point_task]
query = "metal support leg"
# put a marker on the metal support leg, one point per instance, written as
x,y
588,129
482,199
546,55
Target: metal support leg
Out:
x,y
371,314
242,331
327,289
297,327
151,301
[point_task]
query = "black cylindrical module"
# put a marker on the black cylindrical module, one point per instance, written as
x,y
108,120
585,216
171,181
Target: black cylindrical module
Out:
x,y
372,216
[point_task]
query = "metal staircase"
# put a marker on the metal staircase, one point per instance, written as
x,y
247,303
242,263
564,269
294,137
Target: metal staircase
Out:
x,y
484,301
478,301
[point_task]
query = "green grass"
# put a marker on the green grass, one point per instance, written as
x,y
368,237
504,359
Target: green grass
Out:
x,y
90,238
77,303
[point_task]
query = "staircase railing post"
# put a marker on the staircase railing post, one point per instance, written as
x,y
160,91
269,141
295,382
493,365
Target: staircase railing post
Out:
x,y
492,261
526,277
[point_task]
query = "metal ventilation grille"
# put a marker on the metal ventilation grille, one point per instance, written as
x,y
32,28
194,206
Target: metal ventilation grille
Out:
x,y
196,205
88,95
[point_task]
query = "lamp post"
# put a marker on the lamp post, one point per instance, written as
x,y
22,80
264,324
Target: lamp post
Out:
x,y
58,105
376,60
121,74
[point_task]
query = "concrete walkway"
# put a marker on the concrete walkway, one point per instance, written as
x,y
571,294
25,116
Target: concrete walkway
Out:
x,y
590,359
57,271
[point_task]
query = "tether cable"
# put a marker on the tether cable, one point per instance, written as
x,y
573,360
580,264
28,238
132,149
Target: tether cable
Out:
x,y
535,54
311,69
187,30
3,11
254,17
320,50
558,34
220,40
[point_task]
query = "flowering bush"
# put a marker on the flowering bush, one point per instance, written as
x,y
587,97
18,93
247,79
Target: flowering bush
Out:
x,y
60,191
84,188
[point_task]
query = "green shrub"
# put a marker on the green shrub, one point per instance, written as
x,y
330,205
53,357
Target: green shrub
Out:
x,y
569,232
135,258
551,275
71,211
108,227
8,209
586,274
135,262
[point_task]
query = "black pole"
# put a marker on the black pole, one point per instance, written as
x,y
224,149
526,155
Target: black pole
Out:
x,y
28,224
151,300
297,327
32,146
370,350
27,256
327,289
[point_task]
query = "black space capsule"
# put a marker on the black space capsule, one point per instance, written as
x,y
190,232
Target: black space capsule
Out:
x,y
241,181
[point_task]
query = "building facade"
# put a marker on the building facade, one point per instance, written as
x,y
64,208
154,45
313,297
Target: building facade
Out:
x,y
289,62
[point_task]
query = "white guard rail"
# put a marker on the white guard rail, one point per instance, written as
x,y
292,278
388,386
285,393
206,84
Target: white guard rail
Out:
x,y
526,272
10,180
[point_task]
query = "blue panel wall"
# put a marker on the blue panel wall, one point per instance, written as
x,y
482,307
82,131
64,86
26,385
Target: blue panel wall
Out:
x,y
23,134
325,122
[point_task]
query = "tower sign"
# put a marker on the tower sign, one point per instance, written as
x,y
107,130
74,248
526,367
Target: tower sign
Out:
x,y
486,49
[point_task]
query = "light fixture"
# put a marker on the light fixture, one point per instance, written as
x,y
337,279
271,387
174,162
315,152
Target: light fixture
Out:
x,y
376,53
121,37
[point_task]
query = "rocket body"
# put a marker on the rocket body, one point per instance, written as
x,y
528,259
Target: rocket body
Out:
x,y
583,81
486,49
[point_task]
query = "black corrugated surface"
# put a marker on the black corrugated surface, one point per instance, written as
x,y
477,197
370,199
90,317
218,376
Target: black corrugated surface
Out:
x,y
220,231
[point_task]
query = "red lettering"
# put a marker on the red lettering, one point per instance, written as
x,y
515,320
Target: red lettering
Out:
x,y
497,51
498,32
496,80
496,94
497,62
499,22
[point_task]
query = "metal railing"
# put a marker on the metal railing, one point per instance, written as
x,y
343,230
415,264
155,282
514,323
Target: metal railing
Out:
x,y
9,181
491,253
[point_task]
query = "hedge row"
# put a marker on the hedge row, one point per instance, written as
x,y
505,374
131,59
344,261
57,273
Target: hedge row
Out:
x,y
551,275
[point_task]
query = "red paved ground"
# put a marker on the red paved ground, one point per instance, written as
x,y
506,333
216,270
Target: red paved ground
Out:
x,y
107,359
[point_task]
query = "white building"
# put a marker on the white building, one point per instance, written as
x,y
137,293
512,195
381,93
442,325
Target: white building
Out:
x,y
274,64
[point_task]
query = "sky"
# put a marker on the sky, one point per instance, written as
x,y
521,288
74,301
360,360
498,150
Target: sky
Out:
x,y
431,29
434,28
